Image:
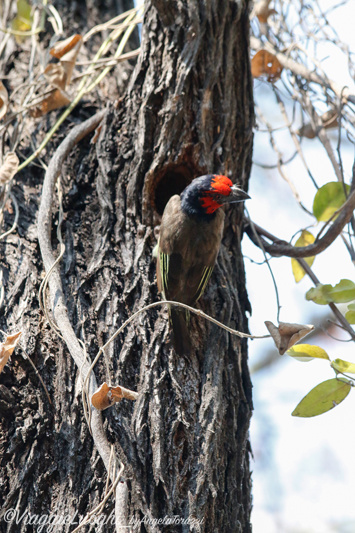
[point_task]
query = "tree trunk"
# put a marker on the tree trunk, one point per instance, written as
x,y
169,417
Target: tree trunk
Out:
x,y
184,443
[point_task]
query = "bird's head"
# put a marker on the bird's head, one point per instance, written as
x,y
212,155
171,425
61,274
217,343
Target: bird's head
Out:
x,y
206,194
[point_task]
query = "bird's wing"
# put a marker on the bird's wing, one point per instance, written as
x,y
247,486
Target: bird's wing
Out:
x,y
162,273
170,275
177,281
204,276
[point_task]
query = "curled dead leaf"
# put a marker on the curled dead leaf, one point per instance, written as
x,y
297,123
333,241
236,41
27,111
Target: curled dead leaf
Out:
x,y
263,11
67,52
61,48
55,75
56,99
7,347
266,64
106,396
9,167
4,100
330,119
59,75
287,334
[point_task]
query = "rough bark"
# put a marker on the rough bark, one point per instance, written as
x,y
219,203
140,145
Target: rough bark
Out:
x,y
184,443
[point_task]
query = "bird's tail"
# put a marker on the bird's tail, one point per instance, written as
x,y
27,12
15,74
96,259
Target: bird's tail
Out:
x,y
181,337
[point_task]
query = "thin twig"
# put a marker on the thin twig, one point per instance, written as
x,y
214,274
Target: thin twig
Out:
x,y
171,303
269,267
26,356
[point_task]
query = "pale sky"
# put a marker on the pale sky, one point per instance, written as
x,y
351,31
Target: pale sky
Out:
x,y
303,469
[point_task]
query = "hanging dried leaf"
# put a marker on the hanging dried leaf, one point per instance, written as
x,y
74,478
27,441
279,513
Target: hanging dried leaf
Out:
x,y
106,396
55,100
330,119
4,100
266,64
262,11
287,334
7,347
9,167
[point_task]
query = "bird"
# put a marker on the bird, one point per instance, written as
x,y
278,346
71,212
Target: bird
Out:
x,y
189,240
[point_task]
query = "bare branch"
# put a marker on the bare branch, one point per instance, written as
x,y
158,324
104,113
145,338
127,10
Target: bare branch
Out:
x,y
280,247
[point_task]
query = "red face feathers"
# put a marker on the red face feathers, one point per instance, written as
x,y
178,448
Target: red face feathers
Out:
x,y
206,194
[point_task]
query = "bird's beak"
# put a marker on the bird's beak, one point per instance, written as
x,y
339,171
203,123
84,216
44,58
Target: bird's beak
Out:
x,y
237,195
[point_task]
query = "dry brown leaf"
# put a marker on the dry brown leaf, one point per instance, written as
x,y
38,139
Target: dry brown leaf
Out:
x,y
67,52
103,398
266,64
4,100
7,347
64,47
106,396
55,100
287,334
9,167
55,75
262,11
59,75
330,119
306,131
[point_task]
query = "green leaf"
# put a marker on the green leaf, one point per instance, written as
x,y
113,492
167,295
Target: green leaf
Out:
x,y
318,294
343,366
306,238
329,199
23,20
350,314
323,397
24,11
343,292
307,352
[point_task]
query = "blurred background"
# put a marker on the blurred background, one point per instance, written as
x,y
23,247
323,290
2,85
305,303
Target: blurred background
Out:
x,y
303,468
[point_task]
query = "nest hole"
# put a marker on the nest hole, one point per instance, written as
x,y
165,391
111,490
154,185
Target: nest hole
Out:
x,y
171,181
